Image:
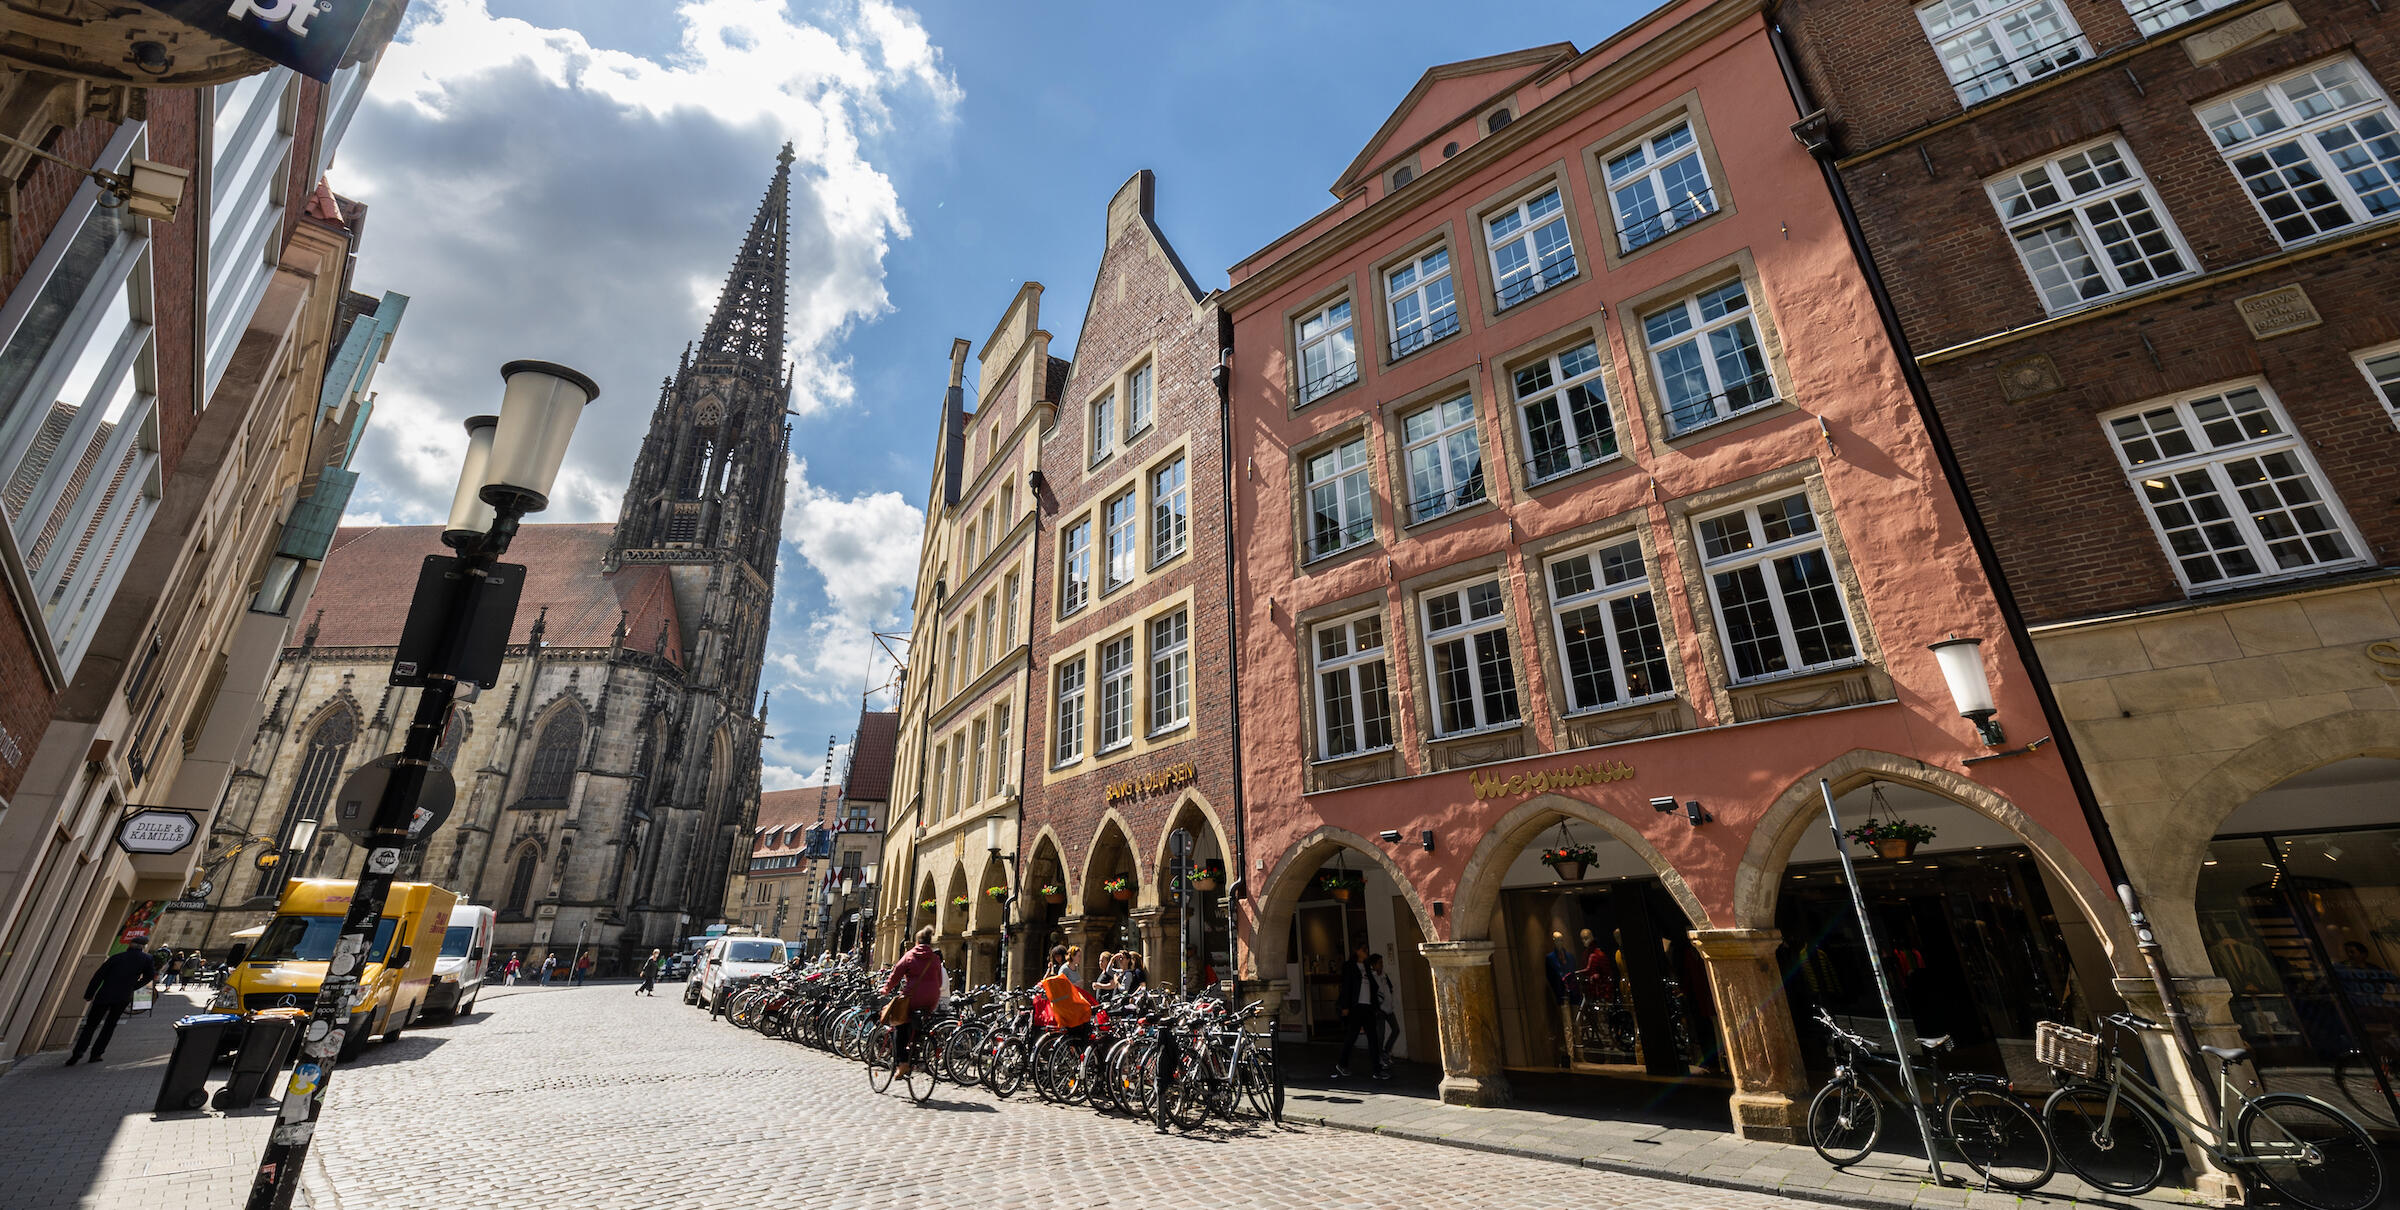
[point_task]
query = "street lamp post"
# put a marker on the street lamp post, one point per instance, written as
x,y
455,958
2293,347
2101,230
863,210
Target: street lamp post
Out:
x,y
1008,881
511,462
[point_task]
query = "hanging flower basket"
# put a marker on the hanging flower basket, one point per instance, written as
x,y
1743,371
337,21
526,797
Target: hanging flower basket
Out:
x,y
1892,838
1054,894
1207,877
999,894
927,907
1120,888
1570,860
960,901
1339,883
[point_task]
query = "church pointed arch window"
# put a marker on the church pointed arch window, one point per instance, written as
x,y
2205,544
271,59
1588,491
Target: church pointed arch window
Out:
x,y
454,733
555,755
520,881
319,770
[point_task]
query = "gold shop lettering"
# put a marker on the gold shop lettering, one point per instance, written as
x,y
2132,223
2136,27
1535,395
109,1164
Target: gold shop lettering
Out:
x,y
1165,779
2386,655
1546,780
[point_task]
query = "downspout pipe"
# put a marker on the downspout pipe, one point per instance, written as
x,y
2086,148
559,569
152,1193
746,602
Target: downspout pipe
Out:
x,y
1222,376
2112,862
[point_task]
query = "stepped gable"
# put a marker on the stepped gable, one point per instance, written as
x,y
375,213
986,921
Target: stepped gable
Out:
x,y
371,571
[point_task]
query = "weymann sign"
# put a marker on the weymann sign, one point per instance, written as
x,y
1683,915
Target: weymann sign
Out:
x,y
1492,785
307,36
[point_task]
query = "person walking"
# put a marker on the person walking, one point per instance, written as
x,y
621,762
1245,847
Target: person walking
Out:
x,y
583,967
1359,1010
549,968
510,971
1387,1021
109,992
168,970
649,985
918,976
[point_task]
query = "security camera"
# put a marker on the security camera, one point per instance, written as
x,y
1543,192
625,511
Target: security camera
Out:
x,y
1665,806
1391,836
1696,813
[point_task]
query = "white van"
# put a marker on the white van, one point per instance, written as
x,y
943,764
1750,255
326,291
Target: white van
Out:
x,y
458,973
729,963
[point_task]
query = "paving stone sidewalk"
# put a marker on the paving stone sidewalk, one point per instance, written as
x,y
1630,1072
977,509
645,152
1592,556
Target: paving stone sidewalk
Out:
x,y
1407,1109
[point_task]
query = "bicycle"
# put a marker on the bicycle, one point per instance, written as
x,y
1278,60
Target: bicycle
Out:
x,y
2107,1126
883,1065
1977,1115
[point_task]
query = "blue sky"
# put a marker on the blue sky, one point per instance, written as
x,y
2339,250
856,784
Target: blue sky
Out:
x,y
570,179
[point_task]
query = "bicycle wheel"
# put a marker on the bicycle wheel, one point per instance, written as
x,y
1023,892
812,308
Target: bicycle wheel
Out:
x,y
2124,1151
2310,1152
879,1060
2362,1096
1005,1074
1844,1120
1256,1078
2001,1139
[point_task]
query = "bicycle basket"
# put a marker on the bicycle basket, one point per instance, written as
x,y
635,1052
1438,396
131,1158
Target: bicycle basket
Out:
x,y
2066,1048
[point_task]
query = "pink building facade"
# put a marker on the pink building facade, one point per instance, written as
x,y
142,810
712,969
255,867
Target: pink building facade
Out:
x,y
1581,504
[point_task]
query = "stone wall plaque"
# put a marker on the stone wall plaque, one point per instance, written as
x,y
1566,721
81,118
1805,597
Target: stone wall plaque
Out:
x,y
2210,45
2030,378
2277,311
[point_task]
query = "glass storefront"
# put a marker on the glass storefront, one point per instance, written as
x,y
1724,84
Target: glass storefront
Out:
x,y
1610,980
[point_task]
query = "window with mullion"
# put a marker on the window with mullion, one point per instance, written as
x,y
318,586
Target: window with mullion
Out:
x,y
1472,673
1779,608
1170,510
1988,47
2318,150
1123,536
1067,743
1423,307
1530,248
1354,705
1328,351
2230,489
2158,16
1115,728
2382,368
1564,406
1705,350
1075,567
1170,671
1658,185
1104,427
1138,400
1445,462
2087,226
1608,634
1341,499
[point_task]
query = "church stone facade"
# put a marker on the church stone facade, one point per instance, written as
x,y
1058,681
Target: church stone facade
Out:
x,y
606,783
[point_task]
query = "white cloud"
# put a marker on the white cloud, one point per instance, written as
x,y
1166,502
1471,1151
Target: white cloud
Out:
x,y
864,546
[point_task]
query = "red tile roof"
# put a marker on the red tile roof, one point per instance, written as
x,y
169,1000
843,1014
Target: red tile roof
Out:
x,y
794,809
872,754
371,572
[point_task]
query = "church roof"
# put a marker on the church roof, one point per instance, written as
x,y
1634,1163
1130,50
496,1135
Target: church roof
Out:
x,y
872,754
371,572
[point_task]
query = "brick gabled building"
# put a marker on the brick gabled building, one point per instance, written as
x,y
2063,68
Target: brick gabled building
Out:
x,y
2141,251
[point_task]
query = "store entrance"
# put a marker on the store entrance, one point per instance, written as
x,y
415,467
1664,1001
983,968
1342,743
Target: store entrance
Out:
x,y
1626,993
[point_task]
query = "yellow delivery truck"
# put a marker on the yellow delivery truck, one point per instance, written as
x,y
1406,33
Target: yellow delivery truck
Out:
x,y
287,964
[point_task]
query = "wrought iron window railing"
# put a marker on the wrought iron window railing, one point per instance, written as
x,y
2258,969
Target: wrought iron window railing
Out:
x,y
1434,504
1440,327
1758,390
1692,208
1329,539
1518,289
2002,76
1550,464
1330,381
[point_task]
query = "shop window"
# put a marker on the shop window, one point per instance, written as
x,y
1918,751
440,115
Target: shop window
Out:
x,y
1170,511
1116,695
1771,580
2087,226
1341,499
1354,708
1445,461
2317,150
1530,248
1328,351
1609,639
1473,677
2232,493
1988,47
1067,724
1659,185
1563,406
1170,671
1706,353
1422,306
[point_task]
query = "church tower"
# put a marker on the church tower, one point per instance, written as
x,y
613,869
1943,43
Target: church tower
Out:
x,y
706,501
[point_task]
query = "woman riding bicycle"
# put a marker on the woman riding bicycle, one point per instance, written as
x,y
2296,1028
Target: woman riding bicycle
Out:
x,y
918,975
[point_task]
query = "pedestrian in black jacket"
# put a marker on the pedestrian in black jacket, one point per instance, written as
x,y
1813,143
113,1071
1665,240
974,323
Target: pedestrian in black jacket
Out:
x,y
111,989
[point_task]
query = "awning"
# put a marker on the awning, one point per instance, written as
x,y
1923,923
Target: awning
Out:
x,y
250,933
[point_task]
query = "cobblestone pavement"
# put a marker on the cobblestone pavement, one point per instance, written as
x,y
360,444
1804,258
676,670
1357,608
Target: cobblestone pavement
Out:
x,y
593,1097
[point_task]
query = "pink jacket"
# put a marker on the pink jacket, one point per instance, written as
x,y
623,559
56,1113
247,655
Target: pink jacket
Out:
x,y
920,971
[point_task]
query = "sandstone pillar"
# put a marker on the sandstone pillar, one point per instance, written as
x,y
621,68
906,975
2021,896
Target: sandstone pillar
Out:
x,y
1466,1008
2208,1000
1161,929
1762,1051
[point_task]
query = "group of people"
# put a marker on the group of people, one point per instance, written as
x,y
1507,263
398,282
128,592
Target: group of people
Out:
x,y
178,967
1121,971
576,971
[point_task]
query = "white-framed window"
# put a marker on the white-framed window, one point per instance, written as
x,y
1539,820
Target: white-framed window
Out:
x,y
1170,671
1104,427
1530,248
1658,185
1609,639
2382,368
968,649
1116,694
958,774
2158,16
1121,516
991,628
1009,593
1138,389
2232,493
2318,149
2087,226
1991,46
252,128
1705,350
1419,297
1445,461
1075,567
950,662
1000,721
1328,350
1068,727
1779,607
1564,407
1170,510
940,795
1354,704
975,781
1341,499
1473,671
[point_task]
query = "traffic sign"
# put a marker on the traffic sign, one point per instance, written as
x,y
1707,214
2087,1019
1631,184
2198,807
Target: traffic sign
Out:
x,y
354,804
157,830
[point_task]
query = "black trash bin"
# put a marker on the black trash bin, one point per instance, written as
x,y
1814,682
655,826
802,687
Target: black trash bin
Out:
x,y
197,1039
265,1044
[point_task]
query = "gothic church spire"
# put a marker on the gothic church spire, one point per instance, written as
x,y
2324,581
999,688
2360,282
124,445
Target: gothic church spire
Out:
x,y
747,327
